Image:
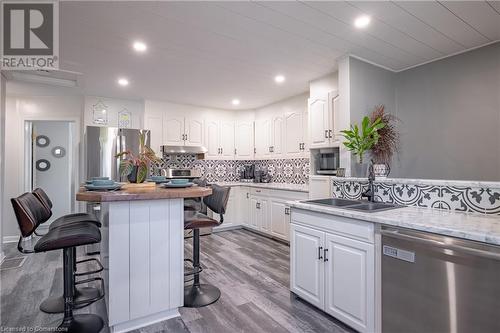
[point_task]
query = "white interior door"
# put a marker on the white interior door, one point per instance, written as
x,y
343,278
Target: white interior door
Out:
x,y
194,132
350,282
173,130
319,122
227,139
306,266
244,140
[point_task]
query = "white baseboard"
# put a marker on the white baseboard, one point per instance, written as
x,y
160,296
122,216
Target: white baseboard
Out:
x,y
10,239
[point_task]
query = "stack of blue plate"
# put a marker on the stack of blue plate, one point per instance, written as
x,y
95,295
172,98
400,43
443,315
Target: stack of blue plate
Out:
x,y
178,183
102,184
158,179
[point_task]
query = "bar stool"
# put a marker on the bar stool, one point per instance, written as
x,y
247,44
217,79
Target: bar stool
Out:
x,y
197,294
29,212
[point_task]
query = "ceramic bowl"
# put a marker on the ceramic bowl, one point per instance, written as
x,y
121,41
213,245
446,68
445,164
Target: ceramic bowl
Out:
x,y
179,181
158,178
99,178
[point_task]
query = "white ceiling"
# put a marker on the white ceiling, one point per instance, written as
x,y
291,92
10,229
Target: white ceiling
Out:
x,y
207,53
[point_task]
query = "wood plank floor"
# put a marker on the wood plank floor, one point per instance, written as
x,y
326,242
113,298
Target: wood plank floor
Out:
x,y
251,271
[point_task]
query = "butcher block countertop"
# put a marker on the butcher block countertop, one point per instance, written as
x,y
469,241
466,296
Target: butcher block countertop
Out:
x,y
132,193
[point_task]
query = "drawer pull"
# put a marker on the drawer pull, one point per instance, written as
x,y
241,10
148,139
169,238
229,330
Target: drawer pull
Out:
x,y
325,253
319,252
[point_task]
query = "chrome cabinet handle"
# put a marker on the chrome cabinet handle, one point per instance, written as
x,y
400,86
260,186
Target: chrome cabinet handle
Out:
x,y
325,253
248,195
330,134
234,151
326,134
287,211
319,252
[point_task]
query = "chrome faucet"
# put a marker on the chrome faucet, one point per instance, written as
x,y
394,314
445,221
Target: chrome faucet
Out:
x,y
370,192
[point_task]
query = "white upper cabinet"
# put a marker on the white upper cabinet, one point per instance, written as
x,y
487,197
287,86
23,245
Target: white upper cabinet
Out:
x,y
153,122
321,120
277,136
212,139
226,139
244,140
219,139
263,138
193,130
173,130
294,140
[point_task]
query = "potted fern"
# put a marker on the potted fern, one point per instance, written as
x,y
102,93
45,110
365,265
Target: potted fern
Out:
x,y
135,167
359,140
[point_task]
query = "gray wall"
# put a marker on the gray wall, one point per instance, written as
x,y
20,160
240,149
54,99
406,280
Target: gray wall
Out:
x,y
449,111
2,155
369,86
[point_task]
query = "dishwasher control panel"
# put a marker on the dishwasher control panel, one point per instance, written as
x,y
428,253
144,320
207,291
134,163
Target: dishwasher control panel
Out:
x,y
399,253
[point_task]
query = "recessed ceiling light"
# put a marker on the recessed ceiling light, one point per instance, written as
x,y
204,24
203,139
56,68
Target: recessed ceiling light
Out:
x,y
362,21
279,79
235,101
123,82
140,46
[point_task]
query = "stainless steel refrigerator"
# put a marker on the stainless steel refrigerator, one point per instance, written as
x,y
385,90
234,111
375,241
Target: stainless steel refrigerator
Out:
x,y
103,143
101,146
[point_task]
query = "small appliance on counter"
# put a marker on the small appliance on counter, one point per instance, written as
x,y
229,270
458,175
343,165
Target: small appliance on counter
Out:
x,y
174,173
262,176
248,173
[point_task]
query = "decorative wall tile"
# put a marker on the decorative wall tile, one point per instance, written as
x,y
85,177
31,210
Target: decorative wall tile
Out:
x,y
294,171
459,198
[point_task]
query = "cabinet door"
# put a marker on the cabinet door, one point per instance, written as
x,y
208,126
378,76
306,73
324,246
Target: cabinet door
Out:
x,y
350,282
254,213
264,214
320,187
173,130
194,132
226,140
277,136
319,122
305,135
245,205
154,124
278,218
262,138
293,134
244,141
337,127
212,139
306,264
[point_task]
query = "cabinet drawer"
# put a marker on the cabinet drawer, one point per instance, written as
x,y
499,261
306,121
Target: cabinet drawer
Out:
x,y
361,230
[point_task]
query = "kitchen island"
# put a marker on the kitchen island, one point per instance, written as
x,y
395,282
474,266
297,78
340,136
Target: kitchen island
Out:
x,y
142,251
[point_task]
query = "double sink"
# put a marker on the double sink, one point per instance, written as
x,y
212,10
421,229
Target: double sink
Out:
x,y
358,205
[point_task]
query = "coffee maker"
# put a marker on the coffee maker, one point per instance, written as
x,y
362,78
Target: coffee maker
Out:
x,y
247,174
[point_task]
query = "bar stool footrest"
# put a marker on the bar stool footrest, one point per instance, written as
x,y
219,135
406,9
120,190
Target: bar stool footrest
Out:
x,y
99,269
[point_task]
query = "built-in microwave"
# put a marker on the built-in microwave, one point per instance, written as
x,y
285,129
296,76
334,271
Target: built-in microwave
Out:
x,y
327,162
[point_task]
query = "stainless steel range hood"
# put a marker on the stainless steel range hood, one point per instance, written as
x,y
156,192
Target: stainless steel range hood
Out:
x,y
176,150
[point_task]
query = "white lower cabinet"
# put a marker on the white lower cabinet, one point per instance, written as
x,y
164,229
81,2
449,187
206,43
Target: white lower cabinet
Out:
x,y
307,271
334,272
279,213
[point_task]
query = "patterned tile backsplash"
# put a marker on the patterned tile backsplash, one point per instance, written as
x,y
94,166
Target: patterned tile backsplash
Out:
x,y
294,171
460,198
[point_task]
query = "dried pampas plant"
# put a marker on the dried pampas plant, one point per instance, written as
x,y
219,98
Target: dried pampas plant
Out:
x,y
388,143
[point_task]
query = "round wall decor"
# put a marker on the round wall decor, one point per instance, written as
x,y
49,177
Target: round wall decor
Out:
x,y
42,165
58,152
42,141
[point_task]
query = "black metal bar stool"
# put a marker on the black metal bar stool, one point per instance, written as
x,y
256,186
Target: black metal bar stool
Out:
x,y
29,212
197,294
84,295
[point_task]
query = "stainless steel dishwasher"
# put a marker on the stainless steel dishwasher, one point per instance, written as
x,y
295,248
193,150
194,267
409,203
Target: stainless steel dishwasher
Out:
x,y
434,284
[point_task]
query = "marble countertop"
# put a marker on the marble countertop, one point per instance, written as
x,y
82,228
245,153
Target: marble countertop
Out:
x,y
472,226
436,182
272,186
143,193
